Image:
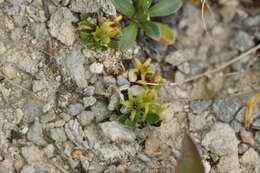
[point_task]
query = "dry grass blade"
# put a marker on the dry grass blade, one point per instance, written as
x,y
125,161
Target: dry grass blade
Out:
x,y
249,110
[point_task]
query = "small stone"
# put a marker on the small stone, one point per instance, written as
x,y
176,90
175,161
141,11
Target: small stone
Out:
x,y
242,148
75,133
200,106
75,109
246,136
185,68
49,150
256,124
257,137
32,109
100,110
121,80
114,101
236,125
9,70
93,6
96,68
89,101
28,169
197,66
117,132
225,108
75,65
89,91
242,41
136,90
86,117
2,46
60,26
58,134
180,56
250,160
65,117
35,134
2,1
252,21
132,76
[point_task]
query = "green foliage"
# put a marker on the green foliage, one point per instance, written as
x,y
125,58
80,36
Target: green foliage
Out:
x,y
143,107
101,36
140,13
190,160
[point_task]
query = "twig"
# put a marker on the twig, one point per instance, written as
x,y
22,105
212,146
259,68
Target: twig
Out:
x,y
225,65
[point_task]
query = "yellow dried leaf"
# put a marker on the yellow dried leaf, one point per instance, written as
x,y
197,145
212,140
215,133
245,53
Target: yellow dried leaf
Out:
x,y
249,110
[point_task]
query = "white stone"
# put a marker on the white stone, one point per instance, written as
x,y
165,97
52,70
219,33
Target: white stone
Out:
x,y
96,68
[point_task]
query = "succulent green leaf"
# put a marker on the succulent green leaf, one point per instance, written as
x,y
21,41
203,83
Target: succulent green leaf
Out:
x,y
128,37
152,118
152,30
84,35
190,160
165,8
143,4
124,7
166,34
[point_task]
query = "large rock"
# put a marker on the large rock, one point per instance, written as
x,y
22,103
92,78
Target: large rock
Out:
x,y
93,6
117,132
221,140
61,27
250,161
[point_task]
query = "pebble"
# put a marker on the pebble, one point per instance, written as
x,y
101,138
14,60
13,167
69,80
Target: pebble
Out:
x,y
75,109
136,90
96,68
256,124
121,80
65,116
86,117
132,76
236,125
242,148
89,90
89,101
257,137
32,109
9,70
200,106
100,110
2,47
58,134
35,134
225,108
246,136
117,132
242,41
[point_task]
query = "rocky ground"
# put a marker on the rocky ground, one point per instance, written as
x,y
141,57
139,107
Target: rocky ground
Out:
x,y
58,99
